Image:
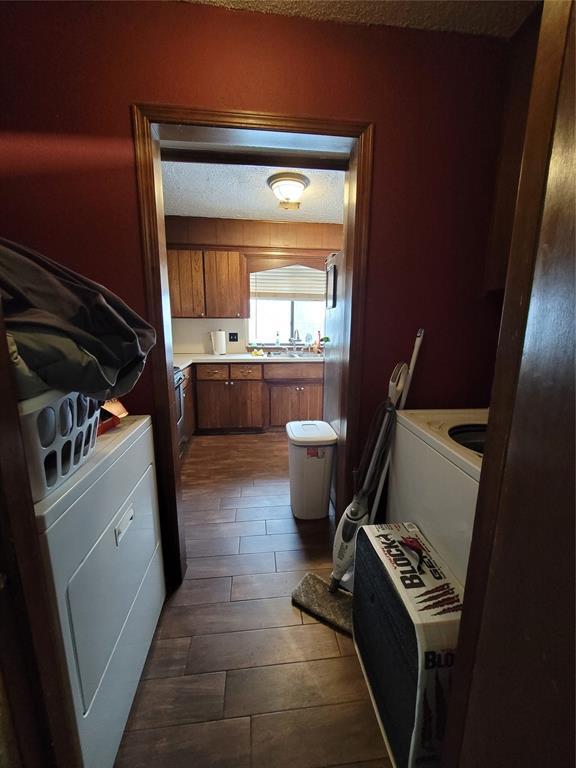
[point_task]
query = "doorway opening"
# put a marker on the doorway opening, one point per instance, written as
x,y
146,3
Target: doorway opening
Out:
x,y
188,136
247,285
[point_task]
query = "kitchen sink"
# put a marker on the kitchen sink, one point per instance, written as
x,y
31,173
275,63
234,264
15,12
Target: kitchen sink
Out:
x,y
297,355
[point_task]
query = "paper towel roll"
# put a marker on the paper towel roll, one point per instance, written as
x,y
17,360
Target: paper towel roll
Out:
x,y
218,342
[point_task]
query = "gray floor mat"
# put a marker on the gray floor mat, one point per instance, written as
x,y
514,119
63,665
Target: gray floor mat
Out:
x,y
312,596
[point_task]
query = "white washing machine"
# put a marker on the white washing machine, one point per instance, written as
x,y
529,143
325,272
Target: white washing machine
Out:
x,y
433,479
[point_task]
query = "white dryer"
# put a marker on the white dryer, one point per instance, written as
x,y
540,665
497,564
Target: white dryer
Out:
x,y
100,538
433,479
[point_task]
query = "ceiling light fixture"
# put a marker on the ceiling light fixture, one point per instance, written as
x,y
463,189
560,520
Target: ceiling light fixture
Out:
x,y
288,188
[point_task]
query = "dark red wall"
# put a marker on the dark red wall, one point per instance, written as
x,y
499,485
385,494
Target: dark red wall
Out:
x,y
68,188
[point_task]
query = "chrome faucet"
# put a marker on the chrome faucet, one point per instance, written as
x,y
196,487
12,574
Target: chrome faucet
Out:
x,y
295,340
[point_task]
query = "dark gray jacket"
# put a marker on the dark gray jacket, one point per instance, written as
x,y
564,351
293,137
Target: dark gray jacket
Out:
x,y
74,334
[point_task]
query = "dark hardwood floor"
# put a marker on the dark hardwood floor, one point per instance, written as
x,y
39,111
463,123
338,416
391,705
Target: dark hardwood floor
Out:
x,y
237,677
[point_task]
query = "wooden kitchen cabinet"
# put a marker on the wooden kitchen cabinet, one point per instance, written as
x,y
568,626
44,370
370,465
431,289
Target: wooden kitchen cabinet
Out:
x,y
246,404
295,402
275,371
208,284
226,284
230,404
212,372
186,283
311,402
213,404
242,371
284,404
254,395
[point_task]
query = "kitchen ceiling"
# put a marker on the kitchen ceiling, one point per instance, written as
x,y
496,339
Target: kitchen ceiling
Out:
x,y
496,18
241,192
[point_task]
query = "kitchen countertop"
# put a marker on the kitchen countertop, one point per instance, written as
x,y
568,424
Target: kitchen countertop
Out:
x,y
184,359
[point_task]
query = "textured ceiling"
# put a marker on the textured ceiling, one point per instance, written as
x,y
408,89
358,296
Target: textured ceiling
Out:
x,y
497,18
241,192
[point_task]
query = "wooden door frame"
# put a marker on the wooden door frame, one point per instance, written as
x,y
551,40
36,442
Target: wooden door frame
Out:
x,y
523,254
359,180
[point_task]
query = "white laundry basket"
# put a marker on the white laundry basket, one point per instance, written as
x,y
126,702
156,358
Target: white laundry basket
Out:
x,y
59,432
310,456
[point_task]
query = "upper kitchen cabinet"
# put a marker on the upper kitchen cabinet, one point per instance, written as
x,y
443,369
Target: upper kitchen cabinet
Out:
x,y
226,284
223,252
208,284
186,282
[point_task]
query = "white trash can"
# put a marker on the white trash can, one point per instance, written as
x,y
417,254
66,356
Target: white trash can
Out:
x,y
310,456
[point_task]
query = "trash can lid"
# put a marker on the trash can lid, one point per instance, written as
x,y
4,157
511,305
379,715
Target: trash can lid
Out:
x,y
311,433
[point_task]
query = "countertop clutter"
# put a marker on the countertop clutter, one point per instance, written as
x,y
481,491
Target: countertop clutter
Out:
x,y
184,359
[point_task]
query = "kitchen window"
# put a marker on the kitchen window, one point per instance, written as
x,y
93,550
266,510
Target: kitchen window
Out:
x,y
286,301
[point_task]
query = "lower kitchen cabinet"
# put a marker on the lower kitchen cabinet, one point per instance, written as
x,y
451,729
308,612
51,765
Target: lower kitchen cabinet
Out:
x,y
254,396
284,404
230,404
295,402
312,399
213,404
246,404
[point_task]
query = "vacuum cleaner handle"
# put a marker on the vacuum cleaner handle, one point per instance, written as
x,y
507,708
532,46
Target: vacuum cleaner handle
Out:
x,y
397,382
406,387
415,351
356,513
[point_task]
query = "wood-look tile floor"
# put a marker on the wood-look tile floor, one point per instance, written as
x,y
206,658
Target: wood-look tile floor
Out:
x,y
237,677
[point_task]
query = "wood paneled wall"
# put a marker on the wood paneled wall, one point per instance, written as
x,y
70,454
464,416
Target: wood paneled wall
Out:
x,y
196,231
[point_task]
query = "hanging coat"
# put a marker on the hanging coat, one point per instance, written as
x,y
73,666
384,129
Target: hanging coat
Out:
x,y
72,333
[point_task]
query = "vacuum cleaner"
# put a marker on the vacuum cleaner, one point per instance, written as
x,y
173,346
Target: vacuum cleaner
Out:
x,y
331,602
358,513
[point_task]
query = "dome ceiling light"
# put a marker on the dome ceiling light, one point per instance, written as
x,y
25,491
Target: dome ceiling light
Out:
x,y
288,188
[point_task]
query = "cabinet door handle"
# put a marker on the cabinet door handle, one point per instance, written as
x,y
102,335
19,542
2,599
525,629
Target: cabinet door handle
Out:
x,y
201,314
226,382
237,314
231,383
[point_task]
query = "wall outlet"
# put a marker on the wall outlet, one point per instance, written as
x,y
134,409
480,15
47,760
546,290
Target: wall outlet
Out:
x,y
232,336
